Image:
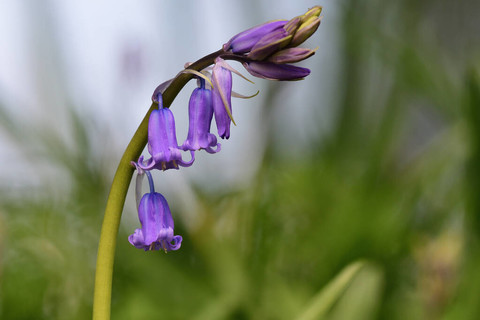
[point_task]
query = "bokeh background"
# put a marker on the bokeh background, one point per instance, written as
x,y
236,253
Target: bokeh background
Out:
x,y
375,157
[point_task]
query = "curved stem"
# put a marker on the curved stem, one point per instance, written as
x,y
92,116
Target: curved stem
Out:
x,y
111,221
150,181
118,192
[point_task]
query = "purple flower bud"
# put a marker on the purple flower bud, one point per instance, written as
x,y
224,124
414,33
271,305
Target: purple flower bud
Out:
x,y
162,143
157,225
222,97
273,71
244,41
269,44
200,113
291,55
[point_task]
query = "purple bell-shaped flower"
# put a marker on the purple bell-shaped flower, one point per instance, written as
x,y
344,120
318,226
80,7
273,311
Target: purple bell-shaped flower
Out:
x,y
200,113
156,219
162,142
222,97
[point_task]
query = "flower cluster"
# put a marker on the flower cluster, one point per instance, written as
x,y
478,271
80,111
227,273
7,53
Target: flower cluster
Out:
x,y
266,51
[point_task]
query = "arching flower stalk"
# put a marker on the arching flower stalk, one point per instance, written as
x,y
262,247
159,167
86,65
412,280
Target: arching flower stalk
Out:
x,y
266,51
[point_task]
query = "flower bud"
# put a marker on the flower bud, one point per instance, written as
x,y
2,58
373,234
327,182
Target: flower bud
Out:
x,y
292,25
244,41
269,44
291,55
312,12
273,71
305,30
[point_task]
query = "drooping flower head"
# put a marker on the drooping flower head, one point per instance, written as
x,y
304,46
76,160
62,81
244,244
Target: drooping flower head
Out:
x,y
266,50
200,113
162,142
156,219
259,42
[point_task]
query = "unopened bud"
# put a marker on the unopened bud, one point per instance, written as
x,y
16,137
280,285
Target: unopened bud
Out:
x,y
291,55
312,12
273,71
270,44
305,30
293,25
244,41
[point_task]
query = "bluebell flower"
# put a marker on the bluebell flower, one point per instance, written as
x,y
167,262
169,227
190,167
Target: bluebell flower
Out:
x,y
162,142
200,113
222,97
156,219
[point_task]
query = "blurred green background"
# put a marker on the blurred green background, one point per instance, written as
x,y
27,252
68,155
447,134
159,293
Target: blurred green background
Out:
x,y
385,171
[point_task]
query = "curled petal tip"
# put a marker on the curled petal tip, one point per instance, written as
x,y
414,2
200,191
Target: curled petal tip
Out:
x,y
188,163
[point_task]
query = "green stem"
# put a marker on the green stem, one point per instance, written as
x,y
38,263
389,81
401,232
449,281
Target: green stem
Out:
x,y
118,192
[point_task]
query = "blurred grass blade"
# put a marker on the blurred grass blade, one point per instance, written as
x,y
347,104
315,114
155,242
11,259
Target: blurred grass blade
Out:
x,y
362,298
322,302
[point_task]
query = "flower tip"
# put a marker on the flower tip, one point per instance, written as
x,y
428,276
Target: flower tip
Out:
x,y
313,11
